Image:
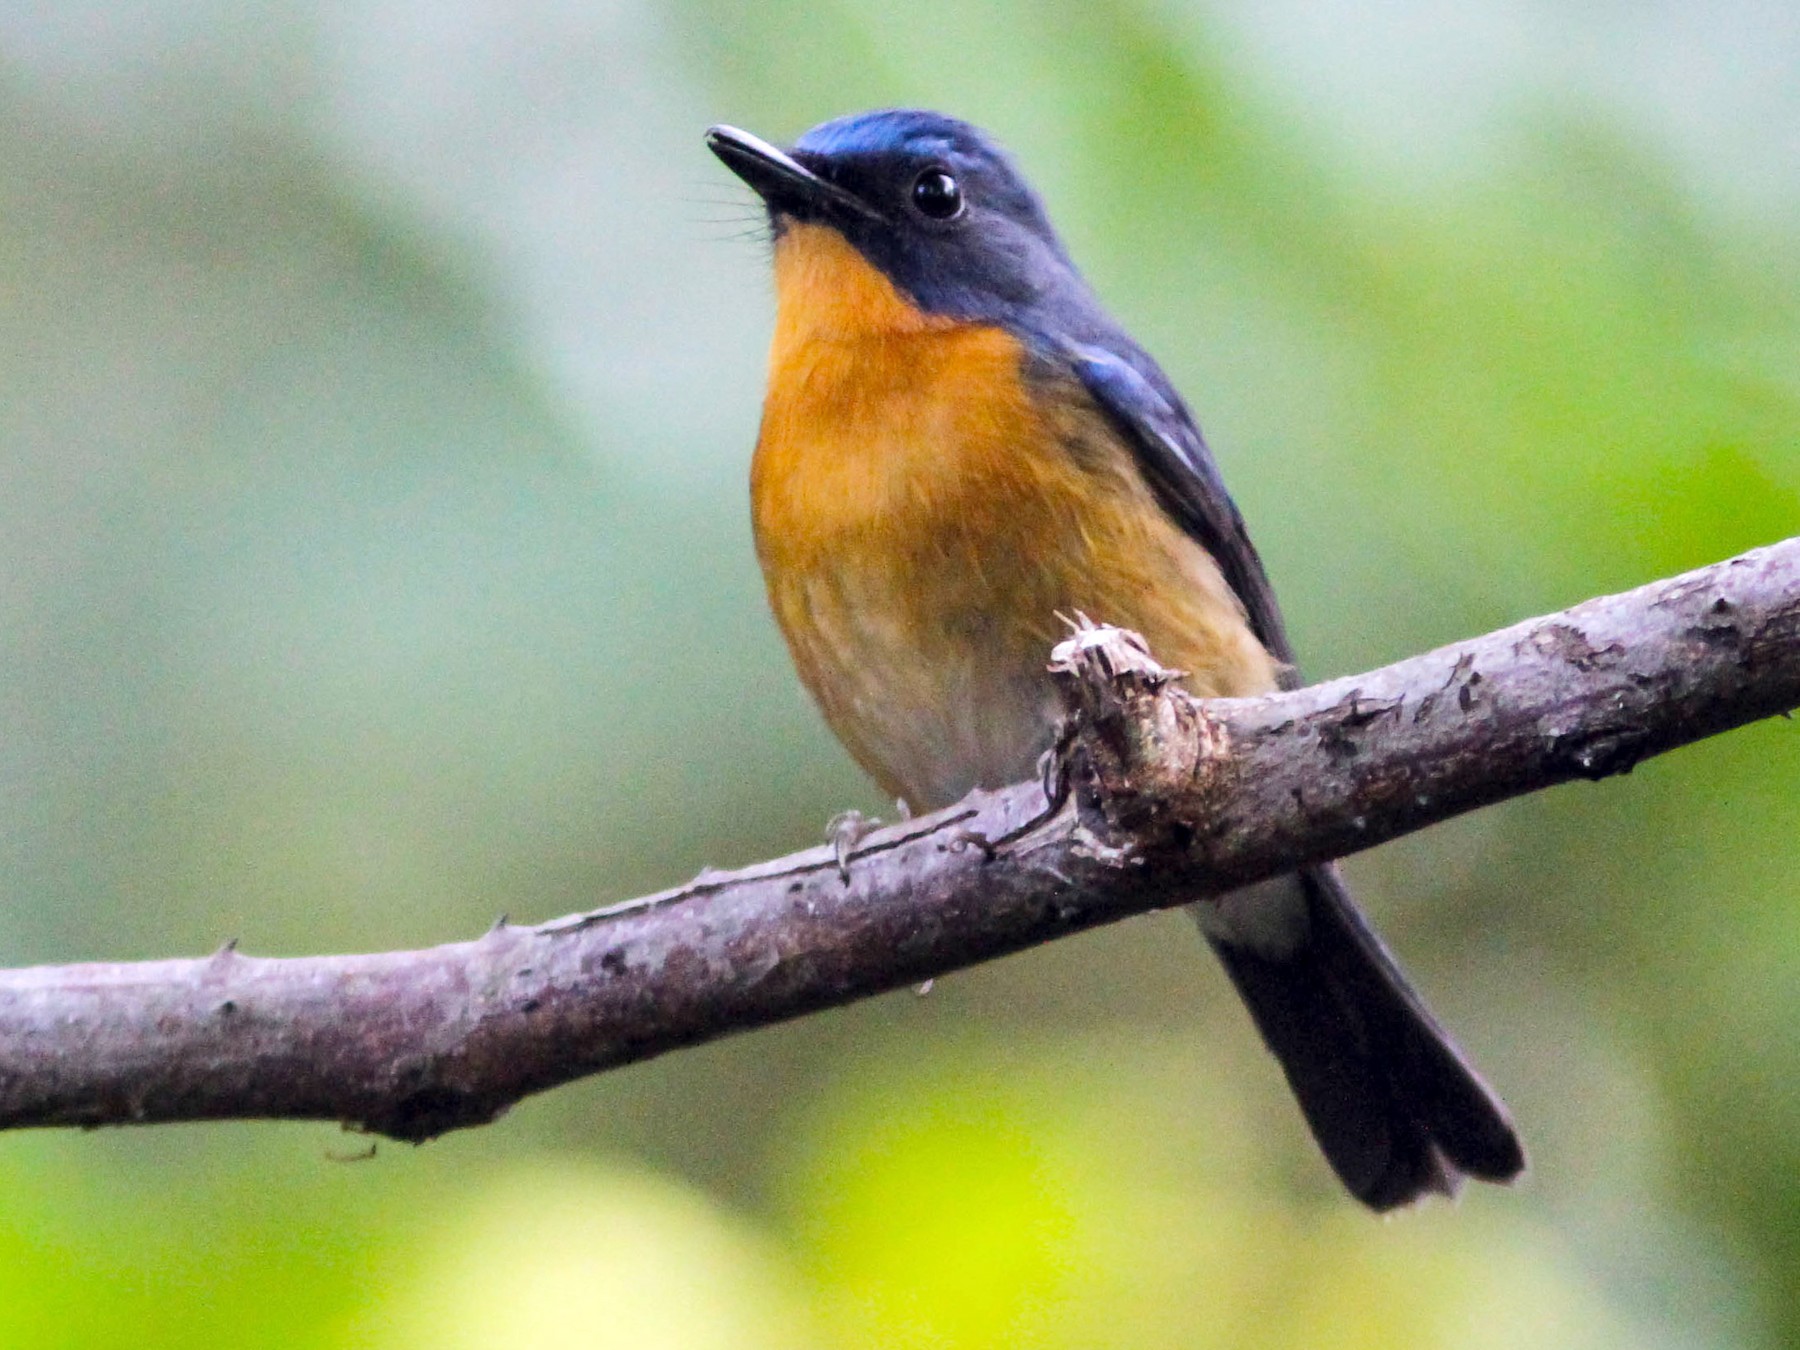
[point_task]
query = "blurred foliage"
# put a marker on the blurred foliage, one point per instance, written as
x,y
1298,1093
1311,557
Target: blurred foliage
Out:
x,y
377,392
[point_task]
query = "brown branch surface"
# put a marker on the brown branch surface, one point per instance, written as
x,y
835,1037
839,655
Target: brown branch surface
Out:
x,y
1166,800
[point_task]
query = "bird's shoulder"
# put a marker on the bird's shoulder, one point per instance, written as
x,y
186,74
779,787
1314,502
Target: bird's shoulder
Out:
x,y
1131,391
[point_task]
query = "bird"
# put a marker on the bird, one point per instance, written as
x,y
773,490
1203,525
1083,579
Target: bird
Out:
x,y
959,445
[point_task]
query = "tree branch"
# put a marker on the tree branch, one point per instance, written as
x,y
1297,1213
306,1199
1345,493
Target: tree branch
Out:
x,y
1157,799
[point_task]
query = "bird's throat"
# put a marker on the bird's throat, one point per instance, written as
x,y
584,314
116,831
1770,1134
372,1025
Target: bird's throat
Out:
x,y
825,290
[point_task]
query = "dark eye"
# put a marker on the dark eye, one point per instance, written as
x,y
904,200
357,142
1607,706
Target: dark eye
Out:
x,y
936,194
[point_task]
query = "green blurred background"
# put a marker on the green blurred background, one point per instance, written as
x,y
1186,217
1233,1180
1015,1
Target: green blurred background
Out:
x,y
377,390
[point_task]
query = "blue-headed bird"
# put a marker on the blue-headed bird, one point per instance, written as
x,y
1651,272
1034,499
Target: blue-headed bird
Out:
x,y
960,445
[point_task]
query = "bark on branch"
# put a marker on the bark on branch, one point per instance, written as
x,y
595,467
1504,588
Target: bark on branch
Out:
x,y
1157,799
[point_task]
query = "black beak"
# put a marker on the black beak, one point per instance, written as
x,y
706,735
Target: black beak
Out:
x,y
779,179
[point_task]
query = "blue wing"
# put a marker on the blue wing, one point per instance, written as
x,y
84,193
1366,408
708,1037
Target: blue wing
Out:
x,y
1396,1108
1175,459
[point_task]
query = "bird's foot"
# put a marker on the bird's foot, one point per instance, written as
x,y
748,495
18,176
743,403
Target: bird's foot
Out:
x,y
844,832
1053,765
963,839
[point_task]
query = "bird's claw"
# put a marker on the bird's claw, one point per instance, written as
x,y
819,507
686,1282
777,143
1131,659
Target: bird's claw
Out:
x,y
845,831
1053,765
963,839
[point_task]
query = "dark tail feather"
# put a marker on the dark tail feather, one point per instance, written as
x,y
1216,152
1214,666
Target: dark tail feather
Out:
x,y
1396,1108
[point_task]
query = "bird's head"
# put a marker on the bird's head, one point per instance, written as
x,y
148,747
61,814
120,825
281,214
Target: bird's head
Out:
x,y
931,204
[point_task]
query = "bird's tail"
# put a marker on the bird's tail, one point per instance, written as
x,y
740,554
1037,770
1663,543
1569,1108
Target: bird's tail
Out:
x,y
1394,1105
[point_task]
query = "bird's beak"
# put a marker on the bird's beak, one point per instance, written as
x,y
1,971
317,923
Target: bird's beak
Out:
x,y
779,179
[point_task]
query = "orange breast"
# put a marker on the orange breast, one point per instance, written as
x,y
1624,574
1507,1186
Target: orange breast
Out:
x,y
923,512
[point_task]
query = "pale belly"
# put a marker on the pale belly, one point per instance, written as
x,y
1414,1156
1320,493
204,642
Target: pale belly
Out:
x,y
929,715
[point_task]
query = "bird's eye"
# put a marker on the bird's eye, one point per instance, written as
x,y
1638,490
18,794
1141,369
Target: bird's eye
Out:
x,y
936,194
